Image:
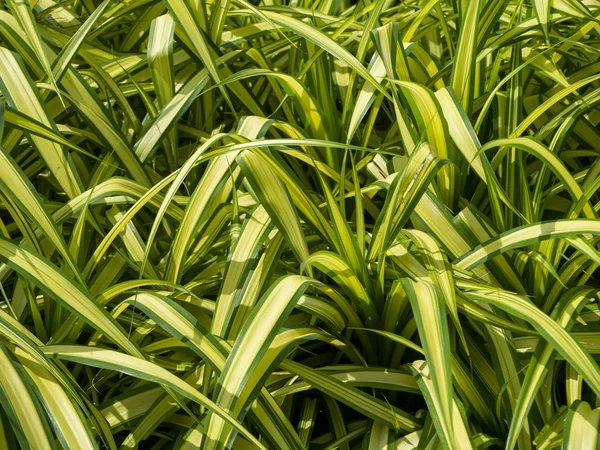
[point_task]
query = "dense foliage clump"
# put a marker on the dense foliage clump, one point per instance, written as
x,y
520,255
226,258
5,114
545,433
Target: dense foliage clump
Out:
x,y
306,224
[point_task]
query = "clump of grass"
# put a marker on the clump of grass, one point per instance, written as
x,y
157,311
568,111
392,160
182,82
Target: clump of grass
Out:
x,y
293,225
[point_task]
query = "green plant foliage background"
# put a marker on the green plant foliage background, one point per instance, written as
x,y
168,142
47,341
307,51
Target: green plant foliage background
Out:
x,y
320,224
